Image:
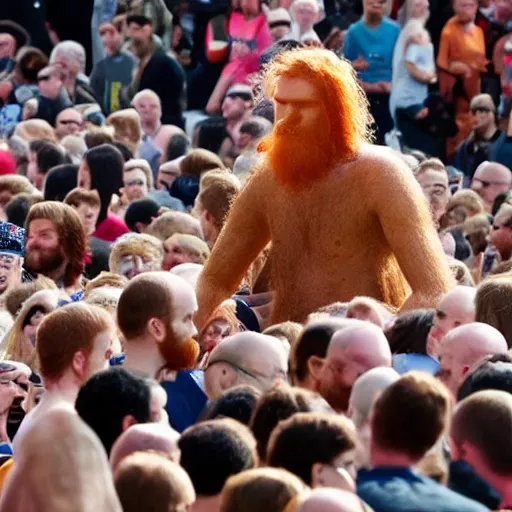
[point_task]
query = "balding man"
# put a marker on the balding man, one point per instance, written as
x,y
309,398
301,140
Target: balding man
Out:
x,y
490,180
352,351
245,358
455,308
329,500
143,437
464,346
154,315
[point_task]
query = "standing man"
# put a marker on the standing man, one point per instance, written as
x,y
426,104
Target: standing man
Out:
x,y
157,71
113,72
369,45
490,180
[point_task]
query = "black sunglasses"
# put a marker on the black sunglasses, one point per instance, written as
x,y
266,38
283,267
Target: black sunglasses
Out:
x,y
43,78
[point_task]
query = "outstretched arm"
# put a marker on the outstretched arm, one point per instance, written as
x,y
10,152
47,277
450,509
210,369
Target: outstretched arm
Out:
x,y
407,224
245,234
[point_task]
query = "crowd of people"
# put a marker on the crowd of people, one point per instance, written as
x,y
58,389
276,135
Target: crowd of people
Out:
x,y
219,293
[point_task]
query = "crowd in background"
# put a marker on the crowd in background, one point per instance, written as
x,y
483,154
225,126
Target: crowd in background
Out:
x,y
127,130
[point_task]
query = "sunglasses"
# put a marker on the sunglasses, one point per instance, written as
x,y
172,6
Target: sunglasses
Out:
x,y
253,375
134,183
486,184
482,110
69,121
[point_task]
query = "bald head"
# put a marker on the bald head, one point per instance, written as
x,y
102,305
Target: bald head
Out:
x,y
329,500
490,180
144,437
190,272
145,95
245,358
464,346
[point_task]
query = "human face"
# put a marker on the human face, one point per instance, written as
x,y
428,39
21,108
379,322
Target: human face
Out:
x,y
483,119
43,251
68,122
233,107
452,311
135,184
89,216
305,15
185,306
110,38
69,69
7,46
10,270
419,9
139,37
149,110
132,265
436,189
374,8
465,10
214,334
250,7
174,254
488,184
84,175
501,236
101,352
450,372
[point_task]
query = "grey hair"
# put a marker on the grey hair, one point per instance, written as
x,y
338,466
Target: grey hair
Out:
x,y
73,51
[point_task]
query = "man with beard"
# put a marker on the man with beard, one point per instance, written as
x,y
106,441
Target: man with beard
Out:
x,y
357,348
56,244
157,71
155,315
345,218
12,245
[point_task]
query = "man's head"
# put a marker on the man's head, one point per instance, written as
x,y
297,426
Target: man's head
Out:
x,y
180,249
135,253
74,341
433,179
11,185
465,10
144,437
87,204
355,349
68,122
252,130
501,234
149,108
214,450
464,346
164,317
111,38
112,401
43,156
173,222
490,180
56,242
480,435
483,111
137,179
328,500
237,102
279,22
12,248
140,30
245,358
140,214
49,81
69,57
321,115
455,308
409,416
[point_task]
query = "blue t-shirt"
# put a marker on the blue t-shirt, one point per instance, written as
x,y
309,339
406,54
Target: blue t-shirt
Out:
x,y
399,489
376,45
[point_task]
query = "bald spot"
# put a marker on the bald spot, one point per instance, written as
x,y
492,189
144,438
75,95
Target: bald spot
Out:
x,y
329,500
251,350
363,343
190,272
144,437
462,298
469,343
492,171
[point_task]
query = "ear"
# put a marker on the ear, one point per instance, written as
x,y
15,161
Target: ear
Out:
x,y
315,365
316,475
208,216
128,421
140,227
156,329
79,364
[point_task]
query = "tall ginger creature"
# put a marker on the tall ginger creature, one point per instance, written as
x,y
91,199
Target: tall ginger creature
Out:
x,y
345,218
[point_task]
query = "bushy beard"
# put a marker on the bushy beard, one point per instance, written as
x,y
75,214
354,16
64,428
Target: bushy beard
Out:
x,y
179,355
298,155
44,261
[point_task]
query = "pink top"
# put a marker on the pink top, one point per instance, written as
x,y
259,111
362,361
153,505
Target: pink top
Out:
x,y
110,229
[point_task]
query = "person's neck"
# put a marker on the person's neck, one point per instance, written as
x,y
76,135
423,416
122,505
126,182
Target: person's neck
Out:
x,y
372,20
152,129
143,355
486,133
390,458
65,389
206,504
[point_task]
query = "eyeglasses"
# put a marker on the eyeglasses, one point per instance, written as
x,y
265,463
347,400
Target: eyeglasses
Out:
x,y
482,110
253,375
435,190
134,183
486,183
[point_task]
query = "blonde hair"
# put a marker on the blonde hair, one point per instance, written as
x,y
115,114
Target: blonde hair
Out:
x,y
170,223
139,244
192,245
127,127
139,163
105,280
35,129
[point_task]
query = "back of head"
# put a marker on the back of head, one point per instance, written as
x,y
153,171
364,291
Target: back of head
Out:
x,y
174,222
64,333
255,490
99,136
34,129
494,304
213,451
199,161
366,389
105,280
289,332
71,474
237,403
178,146
408,333
127,127
410,415
256,127
18,294
141,211
322,438
144,437
15,184
328,500
59,181
152,482
49,155
484,421
18,207
108,398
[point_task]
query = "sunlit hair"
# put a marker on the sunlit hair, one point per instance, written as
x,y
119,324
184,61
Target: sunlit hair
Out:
x,y
135,244
35,129
334,78
78,196
127,127
65,332
71,232
170,223
105,280
194,247
73,52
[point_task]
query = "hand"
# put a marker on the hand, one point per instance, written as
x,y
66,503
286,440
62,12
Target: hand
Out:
x,y
459,68
360,64
240,49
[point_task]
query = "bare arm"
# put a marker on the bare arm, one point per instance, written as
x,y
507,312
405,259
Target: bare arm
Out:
x,y
420,76
245,234
407,224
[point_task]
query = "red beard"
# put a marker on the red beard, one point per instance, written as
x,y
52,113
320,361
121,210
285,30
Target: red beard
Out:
x,y
299,156
44,261
179,356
